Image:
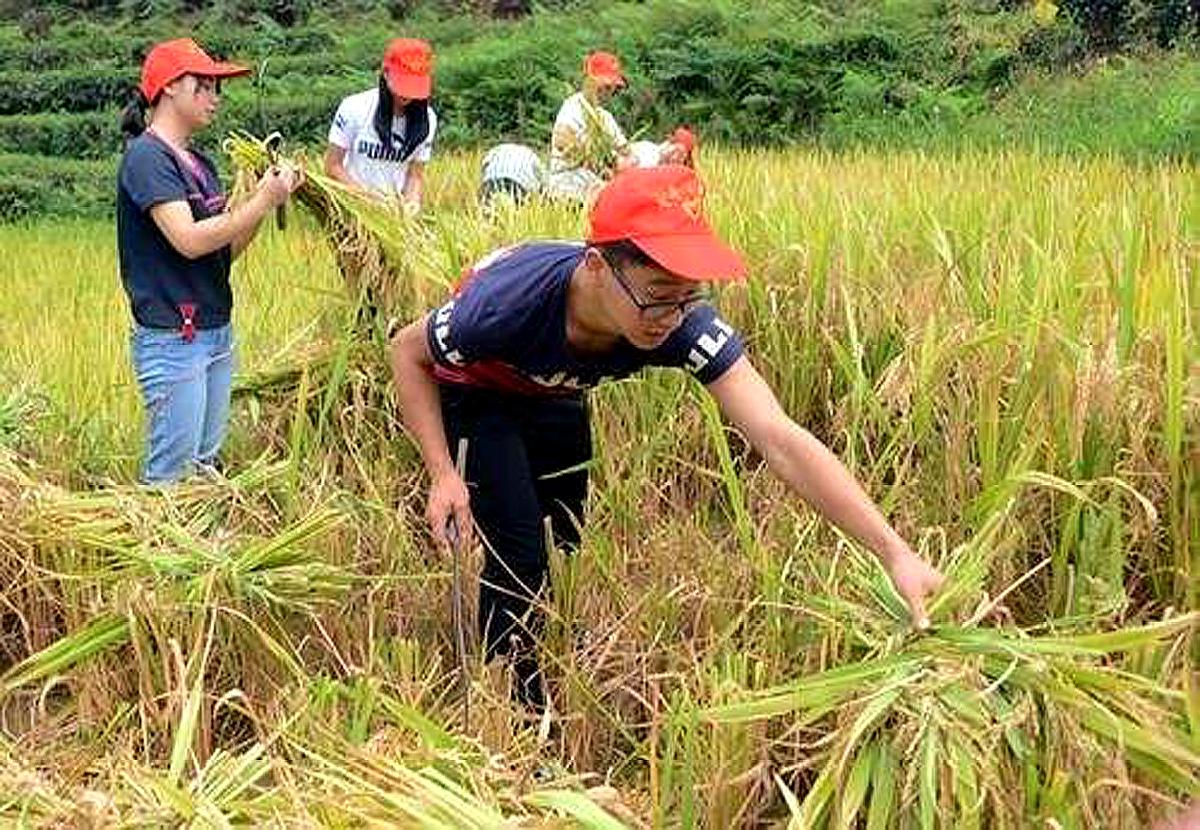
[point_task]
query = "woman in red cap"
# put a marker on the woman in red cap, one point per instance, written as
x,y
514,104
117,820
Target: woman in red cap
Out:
x,y
176,240
382,138
505,363
587,145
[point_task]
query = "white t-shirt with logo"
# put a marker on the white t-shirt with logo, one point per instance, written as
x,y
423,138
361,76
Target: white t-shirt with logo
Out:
x,y
566,178
367,162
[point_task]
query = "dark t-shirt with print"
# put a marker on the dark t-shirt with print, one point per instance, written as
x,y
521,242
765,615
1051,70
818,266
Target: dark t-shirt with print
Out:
x,y
157,278
506,329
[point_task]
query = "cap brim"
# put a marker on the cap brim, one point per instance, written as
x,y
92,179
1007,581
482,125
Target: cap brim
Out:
x,y
211,69
205,69
612,80
225,70
697,256
410,86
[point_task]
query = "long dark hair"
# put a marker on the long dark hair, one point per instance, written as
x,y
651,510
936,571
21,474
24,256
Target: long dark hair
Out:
x,y
133,116
416,121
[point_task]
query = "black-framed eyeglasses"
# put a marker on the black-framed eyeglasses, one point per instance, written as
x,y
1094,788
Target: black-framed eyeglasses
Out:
x,y
655,309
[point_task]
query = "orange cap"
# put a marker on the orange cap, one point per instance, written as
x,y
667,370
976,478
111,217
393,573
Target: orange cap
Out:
x,y
660,209
604,67
408,63
172,59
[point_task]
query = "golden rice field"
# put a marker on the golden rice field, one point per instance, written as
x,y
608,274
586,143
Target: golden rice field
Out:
x,y
1004,349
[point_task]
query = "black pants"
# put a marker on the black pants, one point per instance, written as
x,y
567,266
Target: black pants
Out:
x,y
524,460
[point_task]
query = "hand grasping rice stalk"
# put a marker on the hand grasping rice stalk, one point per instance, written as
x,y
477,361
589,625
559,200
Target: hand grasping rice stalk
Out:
x,y
972,726
385,254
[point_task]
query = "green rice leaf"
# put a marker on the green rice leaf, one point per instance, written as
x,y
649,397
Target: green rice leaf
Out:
x,y
99,635
578,806
884,776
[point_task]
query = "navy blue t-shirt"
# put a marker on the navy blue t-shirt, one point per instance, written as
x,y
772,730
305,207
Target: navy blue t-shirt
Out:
x,y
157,278
507,330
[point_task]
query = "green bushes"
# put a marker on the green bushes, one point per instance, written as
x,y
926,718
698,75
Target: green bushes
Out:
x,y
93,46
1053,47
75,47
1114,24
905,72
695,65
769,91
88,135
300,120
511,92
96,135
19,54
256,40
1144,109
65,90
32,186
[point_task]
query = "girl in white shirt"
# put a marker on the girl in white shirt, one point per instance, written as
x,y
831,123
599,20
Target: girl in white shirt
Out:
x,y
381,138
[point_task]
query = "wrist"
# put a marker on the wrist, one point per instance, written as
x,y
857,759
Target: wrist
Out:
x,y
892,551
261,202
442,471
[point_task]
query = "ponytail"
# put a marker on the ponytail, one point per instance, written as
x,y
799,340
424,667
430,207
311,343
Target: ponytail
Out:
x,y
133,116
384,112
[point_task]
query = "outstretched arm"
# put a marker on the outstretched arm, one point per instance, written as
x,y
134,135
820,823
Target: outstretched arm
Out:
x,y
817,476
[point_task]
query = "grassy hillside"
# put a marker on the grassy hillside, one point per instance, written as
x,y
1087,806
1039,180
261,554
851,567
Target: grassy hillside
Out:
x,y
915,73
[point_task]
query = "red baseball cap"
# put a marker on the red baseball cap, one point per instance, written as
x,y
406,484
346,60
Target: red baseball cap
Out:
x,y
604,67
660,209
172,59
408,63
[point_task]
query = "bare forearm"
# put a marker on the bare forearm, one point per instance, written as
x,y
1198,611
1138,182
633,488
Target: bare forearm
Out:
x,y
414,187
201,238
820,478
420,403
335,168
339,174
243,241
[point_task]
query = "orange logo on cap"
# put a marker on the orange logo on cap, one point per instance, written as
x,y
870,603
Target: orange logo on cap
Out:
x,y
688,197
408,56
412,64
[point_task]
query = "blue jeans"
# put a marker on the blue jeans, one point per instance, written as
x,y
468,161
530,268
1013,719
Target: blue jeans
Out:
x,y
186,388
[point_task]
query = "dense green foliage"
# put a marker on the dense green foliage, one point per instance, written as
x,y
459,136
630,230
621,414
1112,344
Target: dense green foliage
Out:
x,y
900,72
32,185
